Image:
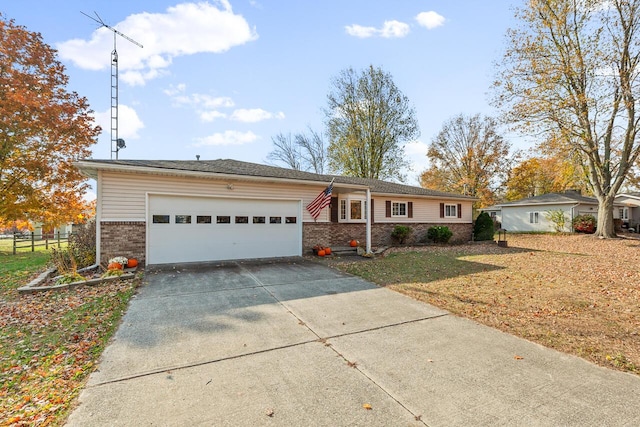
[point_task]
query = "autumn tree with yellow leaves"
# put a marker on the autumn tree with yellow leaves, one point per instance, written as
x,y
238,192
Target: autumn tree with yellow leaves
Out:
x,y
541,175
468,156
571,73
43,129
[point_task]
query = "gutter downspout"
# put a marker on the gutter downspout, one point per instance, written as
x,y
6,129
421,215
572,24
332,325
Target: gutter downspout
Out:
x,y
98,217
368,226
572,217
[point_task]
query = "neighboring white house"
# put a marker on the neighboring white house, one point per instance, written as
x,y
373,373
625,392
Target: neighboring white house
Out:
x,y
531,214
628,209
163,211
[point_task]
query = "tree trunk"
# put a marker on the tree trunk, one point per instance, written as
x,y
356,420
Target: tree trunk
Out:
x,y
605,218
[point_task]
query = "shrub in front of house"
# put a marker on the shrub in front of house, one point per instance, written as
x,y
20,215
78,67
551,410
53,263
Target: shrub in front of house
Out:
x,y
439,234
400,233
83,244
483,228
584,224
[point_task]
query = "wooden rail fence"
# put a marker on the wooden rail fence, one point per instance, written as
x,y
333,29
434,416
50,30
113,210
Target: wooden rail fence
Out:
x,y
20,241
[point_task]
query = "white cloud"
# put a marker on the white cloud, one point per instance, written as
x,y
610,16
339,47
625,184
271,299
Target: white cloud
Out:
x,y
394,29
253,115
416,148
390,29
208,101
229,137
128,122
430,19
175,90
184,29
360,31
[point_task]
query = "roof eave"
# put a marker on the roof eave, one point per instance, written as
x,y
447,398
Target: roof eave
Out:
x,y
91,169
426,196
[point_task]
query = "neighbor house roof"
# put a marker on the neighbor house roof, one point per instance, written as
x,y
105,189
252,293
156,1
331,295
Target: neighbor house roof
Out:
x,y
230,167
634,194
552,199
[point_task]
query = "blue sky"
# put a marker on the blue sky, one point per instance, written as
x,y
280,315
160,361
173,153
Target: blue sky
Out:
x,y
221,78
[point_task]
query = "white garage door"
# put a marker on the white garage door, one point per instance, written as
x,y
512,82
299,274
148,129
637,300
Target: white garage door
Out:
x,y
192,229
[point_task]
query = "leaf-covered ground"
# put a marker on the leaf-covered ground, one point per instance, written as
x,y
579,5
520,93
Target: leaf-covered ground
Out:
x,y
574,293
50,342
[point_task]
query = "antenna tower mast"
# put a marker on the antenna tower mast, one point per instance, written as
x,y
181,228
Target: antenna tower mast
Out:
x,y
116,143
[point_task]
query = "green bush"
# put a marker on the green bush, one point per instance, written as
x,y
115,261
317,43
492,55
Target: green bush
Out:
x,y
439,234
400,233
483,228
584,224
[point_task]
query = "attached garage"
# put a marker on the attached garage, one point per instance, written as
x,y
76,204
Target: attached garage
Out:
x,y
196,228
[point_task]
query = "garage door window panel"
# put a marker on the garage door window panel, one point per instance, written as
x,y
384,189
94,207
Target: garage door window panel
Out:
x,y
161,219
275,220
223,219
203,219
242,220
258,220
183,219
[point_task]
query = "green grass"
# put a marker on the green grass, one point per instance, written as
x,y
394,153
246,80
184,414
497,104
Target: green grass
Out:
x,y
16,270
414,267
50,342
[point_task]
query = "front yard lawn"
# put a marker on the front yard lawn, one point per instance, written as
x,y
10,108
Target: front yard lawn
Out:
x,y
50,342
574,293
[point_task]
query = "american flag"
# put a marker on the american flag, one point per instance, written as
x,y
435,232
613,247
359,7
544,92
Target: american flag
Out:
x,y
322,201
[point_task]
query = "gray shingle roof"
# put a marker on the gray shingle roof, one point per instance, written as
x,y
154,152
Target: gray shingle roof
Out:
x,y
566,197
236,167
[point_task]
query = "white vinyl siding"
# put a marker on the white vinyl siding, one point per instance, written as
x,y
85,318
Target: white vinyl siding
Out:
x,y
124,195
424,210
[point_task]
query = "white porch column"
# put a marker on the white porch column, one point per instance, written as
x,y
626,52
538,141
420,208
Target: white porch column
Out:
x,y
368,228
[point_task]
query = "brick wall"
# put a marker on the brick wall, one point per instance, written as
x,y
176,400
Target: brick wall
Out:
x,y
123,238
339,234
128,238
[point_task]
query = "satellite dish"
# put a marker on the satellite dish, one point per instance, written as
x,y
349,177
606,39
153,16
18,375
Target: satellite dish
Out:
x,y
120,143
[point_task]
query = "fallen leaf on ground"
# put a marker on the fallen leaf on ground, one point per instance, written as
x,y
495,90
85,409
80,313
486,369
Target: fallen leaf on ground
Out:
x,y
367,407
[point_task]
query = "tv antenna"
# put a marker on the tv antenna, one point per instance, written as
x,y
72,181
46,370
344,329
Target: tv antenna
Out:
x,y
116,143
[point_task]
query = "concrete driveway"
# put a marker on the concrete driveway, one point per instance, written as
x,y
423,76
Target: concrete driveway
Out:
x,y
295,343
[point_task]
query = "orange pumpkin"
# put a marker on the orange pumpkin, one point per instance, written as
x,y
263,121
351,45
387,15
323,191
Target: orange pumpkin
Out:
x,y
321,252
132,263
353,243
327,251
114,266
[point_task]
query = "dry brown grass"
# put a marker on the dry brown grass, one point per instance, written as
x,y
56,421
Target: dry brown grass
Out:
x,y
574,293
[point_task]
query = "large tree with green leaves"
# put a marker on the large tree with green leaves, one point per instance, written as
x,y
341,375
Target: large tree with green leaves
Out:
x,y
368,122
43,129
468,156
570,74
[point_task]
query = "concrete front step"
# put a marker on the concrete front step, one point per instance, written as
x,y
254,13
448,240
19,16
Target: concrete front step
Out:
x,y
344,250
